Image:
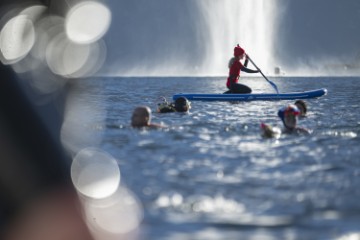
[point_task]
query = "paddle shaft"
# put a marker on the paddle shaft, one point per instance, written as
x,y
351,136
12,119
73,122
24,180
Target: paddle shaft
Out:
x,y
272,84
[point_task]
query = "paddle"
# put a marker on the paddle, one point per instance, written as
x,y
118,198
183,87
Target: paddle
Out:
x,y
272,84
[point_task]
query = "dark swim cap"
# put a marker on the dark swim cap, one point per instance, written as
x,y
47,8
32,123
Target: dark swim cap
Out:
x,y
302,104
182,104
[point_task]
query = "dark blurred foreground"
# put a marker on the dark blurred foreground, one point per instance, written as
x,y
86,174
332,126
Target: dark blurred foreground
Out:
x,y
37,199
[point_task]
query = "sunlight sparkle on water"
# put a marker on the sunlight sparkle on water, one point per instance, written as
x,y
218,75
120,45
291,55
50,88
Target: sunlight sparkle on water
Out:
x,y
350,236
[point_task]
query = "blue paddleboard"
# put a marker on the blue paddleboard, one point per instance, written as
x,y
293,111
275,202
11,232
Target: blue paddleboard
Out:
x,y
252,97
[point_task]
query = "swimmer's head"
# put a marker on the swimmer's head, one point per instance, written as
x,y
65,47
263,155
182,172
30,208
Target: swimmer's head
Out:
x,y
288,115
182,104
302,107
141,117
268,131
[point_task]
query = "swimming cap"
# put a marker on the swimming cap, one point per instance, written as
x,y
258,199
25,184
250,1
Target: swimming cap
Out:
x,y
238,51
182,104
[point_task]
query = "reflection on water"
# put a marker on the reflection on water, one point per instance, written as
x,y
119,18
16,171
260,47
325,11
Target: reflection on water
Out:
x,y
211,175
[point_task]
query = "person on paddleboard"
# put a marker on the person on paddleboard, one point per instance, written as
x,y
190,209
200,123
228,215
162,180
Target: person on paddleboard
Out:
x,y
235,66
181,104
141,117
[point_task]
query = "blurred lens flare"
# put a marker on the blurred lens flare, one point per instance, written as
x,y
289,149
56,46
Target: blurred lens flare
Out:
x,y
17,37
96,59
87,22
34,12
47,28
64,57
75,57
95,174
82,122
119,214
72,60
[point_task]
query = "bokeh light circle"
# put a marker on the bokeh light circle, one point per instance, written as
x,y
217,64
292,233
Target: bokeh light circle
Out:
x,y
87,22
95,173
17,37
119,214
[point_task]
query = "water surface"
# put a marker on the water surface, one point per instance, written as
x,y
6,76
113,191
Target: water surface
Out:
x,y
210,174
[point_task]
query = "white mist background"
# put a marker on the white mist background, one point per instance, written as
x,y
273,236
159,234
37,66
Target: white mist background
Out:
x,y
196,37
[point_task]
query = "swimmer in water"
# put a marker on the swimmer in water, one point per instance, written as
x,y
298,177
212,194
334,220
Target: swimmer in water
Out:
x,y
288,116
141,117
181,104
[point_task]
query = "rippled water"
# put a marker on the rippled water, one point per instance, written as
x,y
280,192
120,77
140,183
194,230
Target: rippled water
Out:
x,y
210,175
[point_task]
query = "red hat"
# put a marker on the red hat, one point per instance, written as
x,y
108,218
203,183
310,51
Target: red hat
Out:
x,y
238,51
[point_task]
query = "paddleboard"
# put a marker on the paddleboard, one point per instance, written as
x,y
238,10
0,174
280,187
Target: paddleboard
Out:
x,y
253,96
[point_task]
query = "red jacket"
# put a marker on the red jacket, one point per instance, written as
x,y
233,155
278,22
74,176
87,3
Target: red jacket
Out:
x,y
234,73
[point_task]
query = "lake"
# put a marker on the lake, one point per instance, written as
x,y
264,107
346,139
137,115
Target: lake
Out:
x,y
210,174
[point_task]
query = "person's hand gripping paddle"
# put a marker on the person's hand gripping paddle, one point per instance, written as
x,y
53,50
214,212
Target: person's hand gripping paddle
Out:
x,y
272,84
